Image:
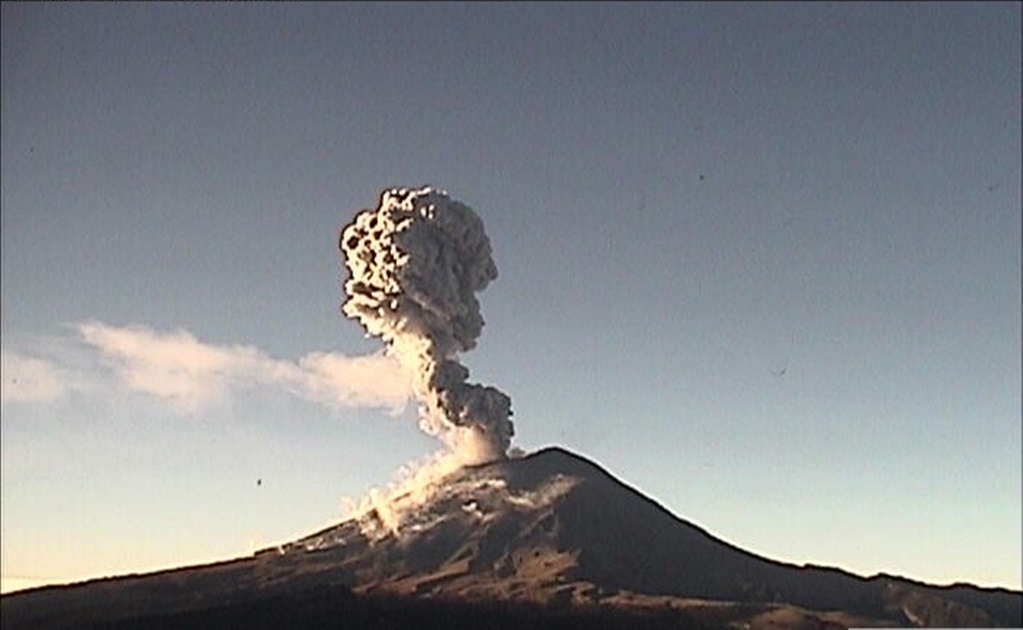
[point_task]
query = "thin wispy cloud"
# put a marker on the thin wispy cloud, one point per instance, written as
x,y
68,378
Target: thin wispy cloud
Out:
x,y
338,380
190,375
174,366
33,380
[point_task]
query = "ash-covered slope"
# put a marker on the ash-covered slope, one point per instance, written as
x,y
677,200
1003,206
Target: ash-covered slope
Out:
x,y
551,528
555,526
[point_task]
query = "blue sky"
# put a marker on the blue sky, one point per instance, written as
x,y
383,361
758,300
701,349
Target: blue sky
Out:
x,y
760,261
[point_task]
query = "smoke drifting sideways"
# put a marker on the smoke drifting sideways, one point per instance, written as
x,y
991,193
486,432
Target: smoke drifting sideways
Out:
x,y
416,263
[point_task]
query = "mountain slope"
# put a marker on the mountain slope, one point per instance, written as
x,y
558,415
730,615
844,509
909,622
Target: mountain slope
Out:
x,y
554,523
550,529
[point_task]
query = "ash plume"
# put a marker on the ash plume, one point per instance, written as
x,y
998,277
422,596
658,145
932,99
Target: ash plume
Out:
x,y
416,263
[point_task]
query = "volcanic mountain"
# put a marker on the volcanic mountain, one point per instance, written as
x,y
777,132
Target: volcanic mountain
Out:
x,y
548,540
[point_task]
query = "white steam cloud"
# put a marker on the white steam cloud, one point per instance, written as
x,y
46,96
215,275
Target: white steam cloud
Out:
x,y
190,375
33,380
420,508
416,264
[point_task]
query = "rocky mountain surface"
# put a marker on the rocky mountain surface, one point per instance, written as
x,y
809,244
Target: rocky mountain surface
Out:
x,y
549,540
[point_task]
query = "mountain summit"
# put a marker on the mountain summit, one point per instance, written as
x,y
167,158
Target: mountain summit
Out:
x,y
551,531
554,526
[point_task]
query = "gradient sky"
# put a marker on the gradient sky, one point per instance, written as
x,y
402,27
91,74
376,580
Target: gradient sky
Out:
x,y
761,262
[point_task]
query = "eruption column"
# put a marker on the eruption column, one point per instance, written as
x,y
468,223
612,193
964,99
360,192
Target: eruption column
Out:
x,y
416,264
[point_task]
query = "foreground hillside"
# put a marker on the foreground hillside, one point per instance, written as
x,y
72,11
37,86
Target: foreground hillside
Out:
x,y
550,540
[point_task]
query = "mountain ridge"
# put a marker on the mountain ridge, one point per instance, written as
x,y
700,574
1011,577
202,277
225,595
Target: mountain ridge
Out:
x,y
550,529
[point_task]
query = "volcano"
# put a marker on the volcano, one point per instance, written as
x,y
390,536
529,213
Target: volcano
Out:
x,y
548,540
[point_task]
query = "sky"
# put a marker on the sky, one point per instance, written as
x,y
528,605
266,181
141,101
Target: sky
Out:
x,y
759,261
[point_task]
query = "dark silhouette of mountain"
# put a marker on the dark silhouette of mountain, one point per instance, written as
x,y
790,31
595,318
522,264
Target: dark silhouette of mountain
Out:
x,y
550,540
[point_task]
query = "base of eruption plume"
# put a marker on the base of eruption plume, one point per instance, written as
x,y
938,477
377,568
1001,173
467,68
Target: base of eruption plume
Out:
x,y
549,540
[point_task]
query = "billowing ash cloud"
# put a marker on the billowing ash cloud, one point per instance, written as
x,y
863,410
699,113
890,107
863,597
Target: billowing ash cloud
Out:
x,y
416,264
